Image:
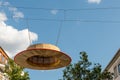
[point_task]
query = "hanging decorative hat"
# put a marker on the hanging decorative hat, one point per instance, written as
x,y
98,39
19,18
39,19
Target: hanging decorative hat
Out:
x,y
42,57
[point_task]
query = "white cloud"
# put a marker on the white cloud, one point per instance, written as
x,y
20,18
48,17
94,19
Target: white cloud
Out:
x,y
16,13
3,16
54,12
12,9
13,40
94,1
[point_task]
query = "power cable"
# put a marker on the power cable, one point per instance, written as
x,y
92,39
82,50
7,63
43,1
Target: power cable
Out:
x,y
59,32
72,20
102,8
68,20
28,32
60,28
98,8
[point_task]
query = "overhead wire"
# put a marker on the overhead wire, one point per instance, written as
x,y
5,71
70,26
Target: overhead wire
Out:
x,y
69,20
65,11
64,17
60,28
33,8
59,32
29,37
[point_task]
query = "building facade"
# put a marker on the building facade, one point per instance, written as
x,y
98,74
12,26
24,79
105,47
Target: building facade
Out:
x,y
114,66
3,61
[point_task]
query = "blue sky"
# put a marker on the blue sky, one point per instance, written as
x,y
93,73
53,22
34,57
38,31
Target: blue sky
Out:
x,y
89,25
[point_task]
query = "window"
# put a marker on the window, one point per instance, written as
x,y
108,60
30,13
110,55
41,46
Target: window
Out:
x,y
115,71
3,59
119,68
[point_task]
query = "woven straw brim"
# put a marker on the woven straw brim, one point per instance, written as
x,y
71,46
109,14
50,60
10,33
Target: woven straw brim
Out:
x,y
62,58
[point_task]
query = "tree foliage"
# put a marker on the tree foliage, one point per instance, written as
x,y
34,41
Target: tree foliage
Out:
x,y
84,70
15,72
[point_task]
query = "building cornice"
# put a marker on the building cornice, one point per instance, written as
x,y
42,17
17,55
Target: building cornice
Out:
x,y
5,54
116,56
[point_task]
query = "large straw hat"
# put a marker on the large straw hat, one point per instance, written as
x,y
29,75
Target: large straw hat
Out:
x,y
42,57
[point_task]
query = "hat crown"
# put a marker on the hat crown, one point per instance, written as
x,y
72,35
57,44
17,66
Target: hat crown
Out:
x,y
44,46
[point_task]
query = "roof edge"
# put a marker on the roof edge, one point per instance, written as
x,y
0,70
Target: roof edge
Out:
x,y
4,51
113,60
